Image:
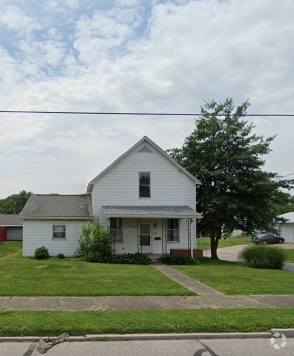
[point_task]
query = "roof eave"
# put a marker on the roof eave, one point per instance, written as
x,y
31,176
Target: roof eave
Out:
x,y
57,217
11,225
150,216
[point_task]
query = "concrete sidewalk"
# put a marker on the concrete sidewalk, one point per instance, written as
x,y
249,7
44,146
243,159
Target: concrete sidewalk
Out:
x,y
144,302
206,298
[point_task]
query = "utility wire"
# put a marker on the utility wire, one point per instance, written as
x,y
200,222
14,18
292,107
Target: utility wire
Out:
x,y
279,177
132,113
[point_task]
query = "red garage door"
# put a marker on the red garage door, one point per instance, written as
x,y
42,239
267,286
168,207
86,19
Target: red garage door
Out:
x,y
3,233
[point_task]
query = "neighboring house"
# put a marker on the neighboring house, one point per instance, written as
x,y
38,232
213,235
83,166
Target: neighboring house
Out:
x,y
287,228
10,227
145,197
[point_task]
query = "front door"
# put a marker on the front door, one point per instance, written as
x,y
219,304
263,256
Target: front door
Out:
x,y
145,238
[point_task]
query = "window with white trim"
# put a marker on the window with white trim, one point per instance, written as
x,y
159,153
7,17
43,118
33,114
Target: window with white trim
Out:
x,y
116,229
58,231
173,231
144,185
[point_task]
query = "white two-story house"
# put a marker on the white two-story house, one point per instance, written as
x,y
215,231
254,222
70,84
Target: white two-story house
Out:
x,y
145,197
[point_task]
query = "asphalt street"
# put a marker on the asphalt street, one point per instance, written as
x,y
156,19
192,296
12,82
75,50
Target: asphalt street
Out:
x,y
224,347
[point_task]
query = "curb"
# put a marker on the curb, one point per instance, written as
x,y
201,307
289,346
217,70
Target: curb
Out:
x,y
286,332
130,337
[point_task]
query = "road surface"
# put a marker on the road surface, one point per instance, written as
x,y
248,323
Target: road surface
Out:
x,y
226,347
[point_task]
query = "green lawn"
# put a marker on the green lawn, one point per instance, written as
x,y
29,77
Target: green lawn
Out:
x,y
234,278
8,247
28,277
204,242
143,321
289,255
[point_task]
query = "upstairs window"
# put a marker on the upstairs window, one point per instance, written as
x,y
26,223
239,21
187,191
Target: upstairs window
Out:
x,y
116,229
173,232
59,231
144,185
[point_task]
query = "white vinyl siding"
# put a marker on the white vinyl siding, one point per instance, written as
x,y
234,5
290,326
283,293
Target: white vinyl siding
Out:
x,y
169,186
119,186
38,233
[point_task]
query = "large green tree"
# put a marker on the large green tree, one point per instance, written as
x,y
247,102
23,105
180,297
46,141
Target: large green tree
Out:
x,y
14,203
226,156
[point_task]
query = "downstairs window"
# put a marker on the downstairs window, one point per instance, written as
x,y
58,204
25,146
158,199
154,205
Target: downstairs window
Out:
x,y
116,229
173,231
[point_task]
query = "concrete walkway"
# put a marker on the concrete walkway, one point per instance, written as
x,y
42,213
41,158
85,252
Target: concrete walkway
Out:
x,y
206,298
10,254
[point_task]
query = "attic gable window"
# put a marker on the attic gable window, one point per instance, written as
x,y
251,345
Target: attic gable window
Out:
x,y
144,185
144,149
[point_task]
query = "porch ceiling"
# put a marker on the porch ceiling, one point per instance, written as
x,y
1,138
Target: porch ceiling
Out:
x,y
151,211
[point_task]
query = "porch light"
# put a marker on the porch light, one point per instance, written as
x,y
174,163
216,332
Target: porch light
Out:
x,y
155,225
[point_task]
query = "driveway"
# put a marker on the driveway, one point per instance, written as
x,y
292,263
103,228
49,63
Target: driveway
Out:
x,y
231,253
227,253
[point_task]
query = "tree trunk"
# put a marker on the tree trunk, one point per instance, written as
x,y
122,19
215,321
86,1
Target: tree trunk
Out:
x,y
213,248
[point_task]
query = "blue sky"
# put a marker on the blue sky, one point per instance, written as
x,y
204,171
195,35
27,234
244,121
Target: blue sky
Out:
x,y
133,55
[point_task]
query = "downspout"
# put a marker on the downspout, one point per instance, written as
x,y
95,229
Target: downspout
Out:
x,y
195,233
162,237
138,244
190,223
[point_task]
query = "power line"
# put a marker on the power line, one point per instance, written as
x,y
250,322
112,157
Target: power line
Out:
x,y
287,175
131,113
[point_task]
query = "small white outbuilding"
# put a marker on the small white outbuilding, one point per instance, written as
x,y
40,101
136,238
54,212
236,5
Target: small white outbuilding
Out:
x,y
287,228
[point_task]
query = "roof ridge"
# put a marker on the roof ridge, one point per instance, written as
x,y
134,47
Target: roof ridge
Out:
x,y
63,195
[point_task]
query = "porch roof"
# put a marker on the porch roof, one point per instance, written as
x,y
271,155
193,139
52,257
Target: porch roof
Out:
x,y
151,211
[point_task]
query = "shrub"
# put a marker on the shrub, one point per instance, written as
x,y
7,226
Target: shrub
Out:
x,y
178,260
133,259
95,243
61,256
263,257
42,253
78,252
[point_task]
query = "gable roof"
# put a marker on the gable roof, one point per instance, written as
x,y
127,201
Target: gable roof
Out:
x,y
10,220
58,206
155,146
289,217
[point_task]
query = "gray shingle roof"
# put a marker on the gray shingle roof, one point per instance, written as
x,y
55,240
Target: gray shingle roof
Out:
x,y
58,206
150,211
10,220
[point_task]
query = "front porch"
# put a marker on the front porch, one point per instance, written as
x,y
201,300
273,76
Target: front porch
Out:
x,y
152,230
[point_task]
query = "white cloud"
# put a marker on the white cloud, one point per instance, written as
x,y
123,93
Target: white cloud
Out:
x,y
160,56
14,19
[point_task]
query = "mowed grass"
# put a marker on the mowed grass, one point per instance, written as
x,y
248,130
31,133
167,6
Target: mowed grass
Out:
x,y
21,276
8,247
234,278
289,255
203,243
143,321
